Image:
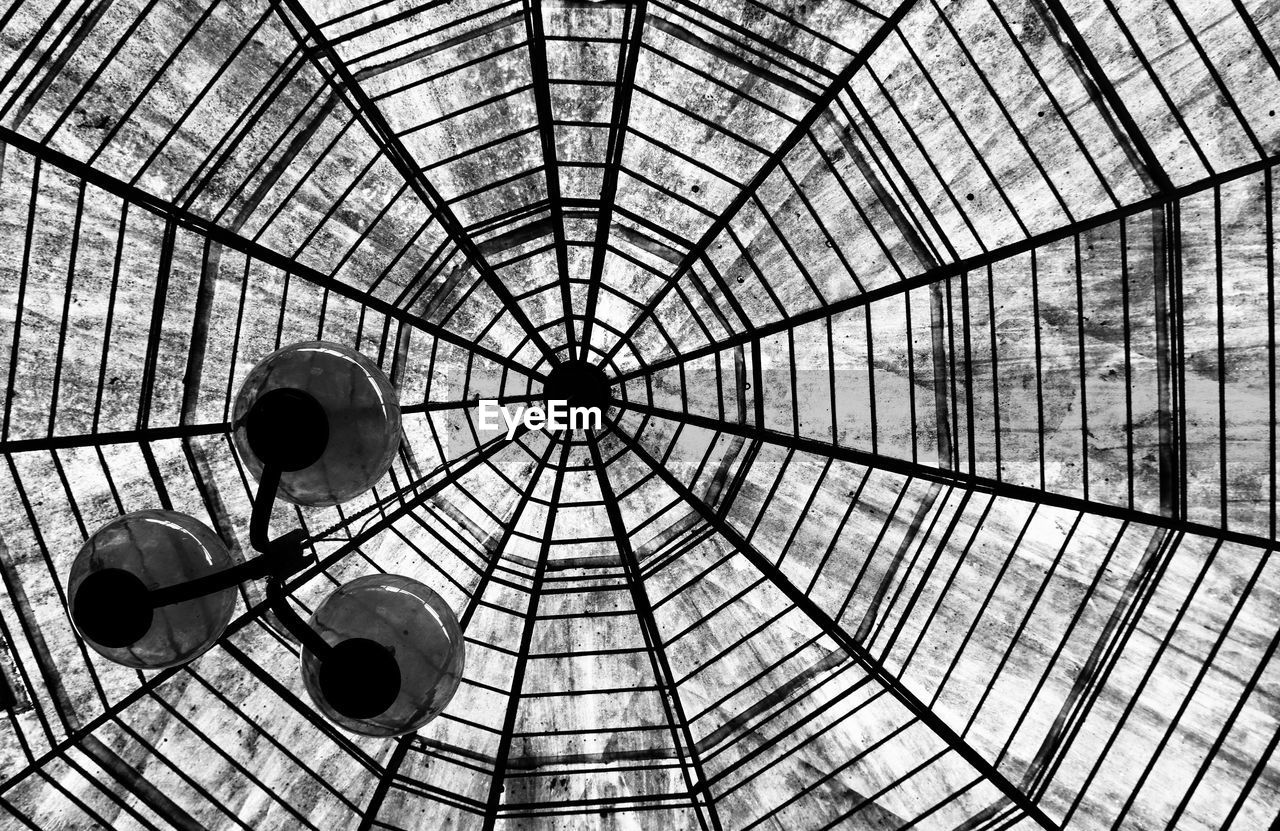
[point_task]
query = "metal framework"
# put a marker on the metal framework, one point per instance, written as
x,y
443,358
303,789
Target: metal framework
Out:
x,y
938,487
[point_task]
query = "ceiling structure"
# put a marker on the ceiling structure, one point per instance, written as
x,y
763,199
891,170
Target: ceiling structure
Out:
x,y
939,485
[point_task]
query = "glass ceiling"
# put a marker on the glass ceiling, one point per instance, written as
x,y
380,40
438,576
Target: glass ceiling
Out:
x,y
939,485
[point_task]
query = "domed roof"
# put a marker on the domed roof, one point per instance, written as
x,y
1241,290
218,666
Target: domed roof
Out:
x,y
937,481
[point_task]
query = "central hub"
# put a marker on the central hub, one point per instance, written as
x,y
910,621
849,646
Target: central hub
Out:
x,y
580,383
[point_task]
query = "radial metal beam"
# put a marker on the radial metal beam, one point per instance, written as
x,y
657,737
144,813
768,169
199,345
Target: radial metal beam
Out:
x,y
140,436
398,754
508,529
624,87
439,406
958,478
393,148
766,170
186,431
660,665
183,218
496,786
1095,79
954,269
454,470
833,629
550,158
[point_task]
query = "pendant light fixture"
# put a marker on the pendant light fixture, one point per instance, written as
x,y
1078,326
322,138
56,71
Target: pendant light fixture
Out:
x,y
316,423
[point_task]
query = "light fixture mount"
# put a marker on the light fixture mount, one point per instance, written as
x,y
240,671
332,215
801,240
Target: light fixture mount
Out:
x,y
155,589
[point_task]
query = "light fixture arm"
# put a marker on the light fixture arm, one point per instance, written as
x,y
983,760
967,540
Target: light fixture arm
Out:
x,y
281,558
292,621
263,502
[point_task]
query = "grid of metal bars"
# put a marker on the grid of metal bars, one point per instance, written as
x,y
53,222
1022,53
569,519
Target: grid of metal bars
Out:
x,y
939,485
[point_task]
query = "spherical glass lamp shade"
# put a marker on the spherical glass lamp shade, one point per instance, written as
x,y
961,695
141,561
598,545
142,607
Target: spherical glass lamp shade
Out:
x,y
396,658
325,415
109,587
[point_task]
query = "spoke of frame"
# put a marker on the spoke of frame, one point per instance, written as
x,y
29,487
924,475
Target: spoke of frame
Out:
x,y
183,218
1127,133
148,435
389,773
391,146
452,475
402,747
526,641
766,170
948,476
837,633
508,531
657,650
958,267
1168,292
141,436
624,87
437,406
550,158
